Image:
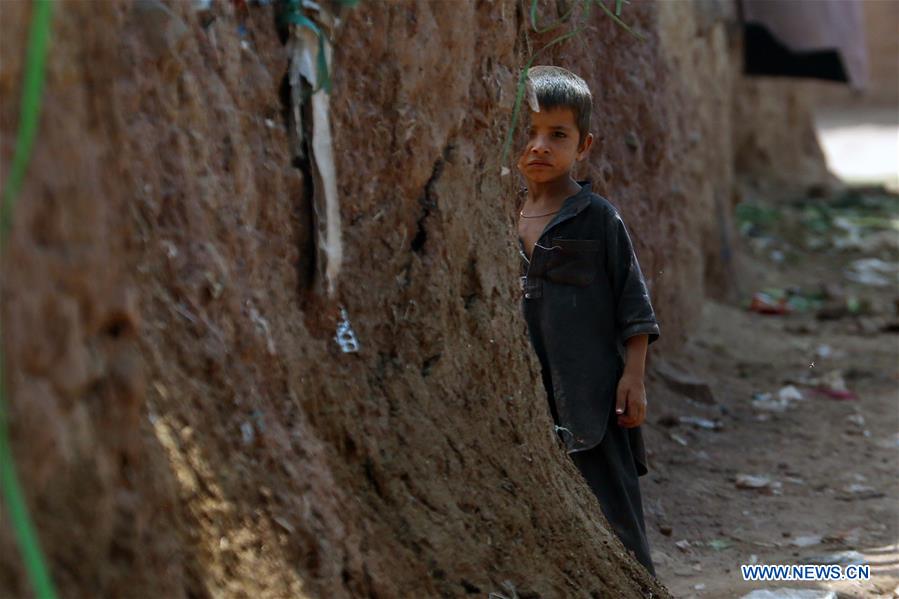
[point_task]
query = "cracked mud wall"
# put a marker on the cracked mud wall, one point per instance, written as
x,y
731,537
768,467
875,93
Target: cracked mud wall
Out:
x,y
184,422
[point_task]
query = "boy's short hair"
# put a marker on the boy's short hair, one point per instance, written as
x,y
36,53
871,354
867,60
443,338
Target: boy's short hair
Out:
x,y
558,87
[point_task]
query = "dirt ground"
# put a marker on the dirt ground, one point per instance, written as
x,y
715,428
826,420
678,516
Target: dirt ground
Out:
x,y
832,463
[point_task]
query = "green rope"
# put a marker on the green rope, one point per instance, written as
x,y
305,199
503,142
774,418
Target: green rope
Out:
x,y
35,563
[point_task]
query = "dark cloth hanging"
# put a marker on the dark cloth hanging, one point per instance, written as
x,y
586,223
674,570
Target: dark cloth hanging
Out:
x,y
820,39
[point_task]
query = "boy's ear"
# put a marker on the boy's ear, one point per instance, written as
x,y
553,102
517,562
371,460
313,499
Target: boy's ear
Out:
x,y
588,141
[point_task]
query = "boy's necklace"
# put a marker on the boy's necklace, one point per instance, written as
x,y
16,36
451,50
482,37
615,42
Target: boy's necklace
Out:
x,y
523,215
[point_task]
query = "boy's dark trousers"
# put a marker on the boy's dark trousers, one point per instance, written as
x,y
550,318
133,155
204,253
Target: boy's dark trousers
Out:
x,y
611,473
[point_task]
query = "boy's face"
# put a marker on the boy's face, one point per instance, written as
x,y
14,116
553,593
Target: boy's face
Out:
x,y
552,145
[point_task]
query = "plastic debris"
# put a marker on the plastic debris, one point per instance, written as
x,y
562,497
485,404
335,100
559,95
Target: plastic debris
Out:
x,y
758,483
749,481
767,402
831,385
678,439
852,239
509,586
763,303
872,271
799,303
683,544
857,491
701,422
786,593
834,380
789,393
301,49
806,541
345,336
837,393
856,419
784,301
719,544
841,558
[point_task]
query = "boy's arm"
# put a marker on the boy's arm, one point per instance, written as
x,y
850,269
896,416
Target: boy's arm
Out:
x,y
636,355
635,319
630,401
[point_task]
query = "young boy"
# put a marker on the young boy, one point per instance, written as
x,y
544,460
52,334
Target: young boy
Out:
x,y
586,305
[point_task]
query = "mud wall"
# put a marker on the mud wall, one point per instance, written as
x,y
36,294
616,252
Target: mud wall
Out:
x,y
182,418
701,48
881,20
777,152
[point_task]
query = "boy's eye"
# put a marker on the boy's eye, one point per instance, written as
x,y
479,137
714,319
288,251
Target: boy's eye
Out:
x,y
559,133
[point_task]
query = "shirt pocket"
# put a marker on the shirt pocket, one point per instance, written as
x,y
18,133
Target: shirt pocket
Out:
x,y
573,261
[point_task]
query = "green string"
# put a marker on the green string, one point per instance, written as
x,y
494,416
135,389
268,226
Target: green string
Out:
x,y
35,563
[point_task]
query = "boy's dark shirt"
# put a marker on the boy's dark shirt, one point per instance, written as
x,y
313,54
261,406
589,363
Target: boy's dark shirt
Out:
x,y
583,295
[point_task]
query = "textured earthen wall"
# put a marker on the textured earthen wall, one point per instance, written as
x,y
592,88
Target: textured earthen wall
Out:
x,y
881,21
701,46
777,151
183,420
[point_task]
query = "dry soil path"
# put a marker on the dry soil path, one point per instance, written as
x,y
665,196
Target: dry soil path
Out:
x,y
832,463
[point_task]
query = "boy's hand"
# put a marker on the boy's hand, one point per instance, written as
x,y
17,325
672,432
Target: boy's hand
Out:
x,y
630,404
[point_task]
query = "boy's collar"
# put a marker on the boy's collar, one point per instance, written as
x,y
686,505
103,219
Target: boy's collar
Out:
x,y
573,205
578,201
577,198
